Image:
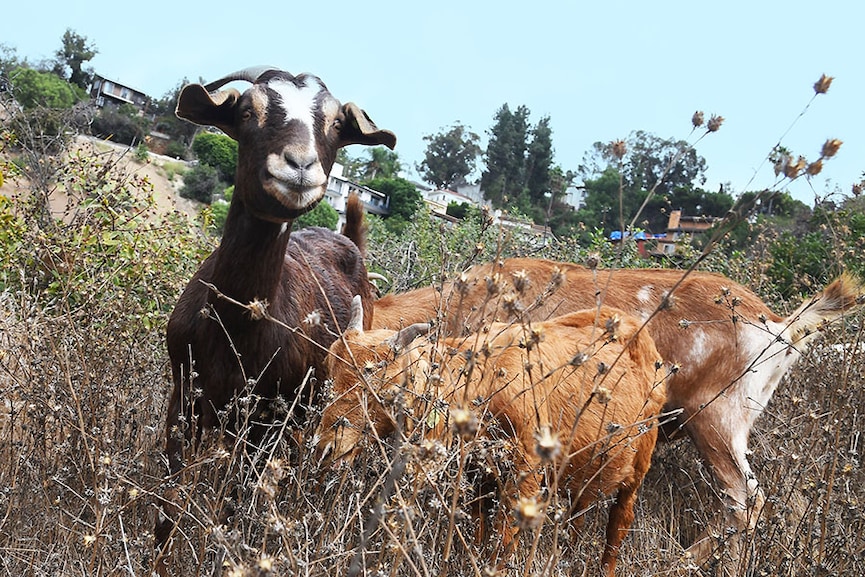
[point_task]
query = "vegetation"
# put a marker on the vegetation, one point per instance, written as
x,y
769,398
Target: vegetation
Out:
x,y
450,157
201,183
219,151
86,289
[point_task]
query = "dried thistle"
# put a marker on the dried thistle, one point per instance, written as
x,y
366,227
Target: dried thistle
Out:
x,y
603,395
823,84
593,259
464,422
512,305
494,284
611,327
462,284
697,119
313,319
528,512
547,444
714,123
521,280
792,169
257,309
579,359
619,149
814,168
535,336
830,148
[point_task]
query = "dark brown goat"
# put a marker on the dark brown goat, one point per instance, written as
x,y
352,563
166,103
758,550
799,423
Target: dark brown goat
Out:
x,y
730,348
288,129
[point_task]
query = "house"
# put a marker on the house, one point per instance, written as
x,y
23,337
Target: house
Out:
x,y
681,229
438,200
338,189
105,92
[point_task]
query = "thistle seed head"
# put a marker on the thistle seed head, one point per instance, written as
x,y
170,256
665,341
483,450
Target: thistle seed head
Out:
x,y
830,148
822,85
547,444
257,309
714,123
521,281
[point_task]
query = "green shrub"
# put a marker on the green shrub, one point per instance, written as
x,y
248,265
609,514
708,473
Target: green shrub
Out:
x,y
218,151
120,124
201,183
322,215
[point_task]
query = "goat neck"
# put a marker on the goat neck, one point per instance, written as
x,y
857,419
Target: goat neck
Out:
x,y
249,262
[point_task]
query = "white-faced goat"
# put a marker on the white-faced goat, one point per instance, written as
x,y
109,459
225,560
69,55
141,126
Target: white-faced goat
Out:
x,y
730,349
578,398
288,129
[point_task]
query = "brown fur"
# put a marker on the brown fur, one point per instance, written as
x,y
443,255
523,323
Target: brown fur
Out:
x,y
306,280
557,393
717,332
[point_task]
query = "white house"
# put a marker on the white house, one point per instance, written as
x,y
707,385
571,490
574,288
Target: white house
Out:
x,y
338,189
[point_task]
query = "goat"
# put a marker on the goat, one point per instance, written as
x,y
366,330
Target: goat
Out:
x,y
592,391
730,350
288,129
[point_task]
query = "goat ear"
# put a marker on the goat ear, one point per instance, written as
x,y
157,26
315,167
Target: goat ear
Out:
x,y
197,105
407,334
360,129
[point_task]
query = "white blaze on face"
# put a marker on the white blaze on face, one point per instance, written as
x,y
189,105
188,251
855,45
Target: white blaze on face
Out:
x,y
298,103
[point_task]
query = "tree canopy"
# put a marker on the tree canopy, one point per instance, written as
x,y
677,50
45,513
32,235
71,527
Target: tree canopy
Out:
x,y
450,157
71,57
33,89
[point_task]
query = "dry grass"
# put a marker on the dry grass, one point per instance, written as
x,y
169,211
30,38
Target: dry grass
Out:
x,y
84,382
81,471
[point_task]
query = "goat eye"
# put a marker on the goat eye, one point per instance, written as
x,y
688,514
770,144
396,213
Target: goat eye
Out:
x,y
246,114
337,124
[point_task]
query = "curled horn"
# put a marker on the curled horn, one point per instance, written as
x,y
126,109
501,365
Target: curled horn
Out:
x,y
251,74
406,335
356,322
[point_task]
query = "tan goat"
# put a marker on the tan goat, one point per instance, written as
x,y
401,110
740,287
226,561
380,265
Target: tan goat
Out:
x,y
730,349
580,393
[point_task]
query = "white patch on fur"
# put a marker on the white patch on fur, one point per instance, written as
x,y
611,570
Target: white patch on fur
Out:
x,y
699,348
644,295
298,103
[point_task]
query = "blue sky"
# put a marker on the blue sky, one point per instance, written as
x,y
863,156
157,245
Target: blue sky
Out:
x,y
600,70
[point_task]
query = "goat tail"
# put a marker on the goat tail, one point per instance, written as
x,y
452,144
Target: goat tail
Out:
x,y
355,225
841,296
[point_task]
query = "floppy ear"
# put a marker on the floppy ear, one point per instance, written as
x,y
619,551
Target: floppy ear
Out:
x,y
197,105
406,335
358,128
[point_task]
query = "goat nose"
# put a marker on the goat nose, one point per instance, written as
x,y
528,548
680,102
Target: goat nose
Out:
x,y
300,160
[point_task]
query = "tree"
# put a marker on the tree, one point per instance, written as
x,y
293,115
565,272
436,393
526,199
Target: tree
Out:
x,y
668,167
72,56
201,183
405,200
450,156
321,215
539,162
33,89
382,163
503,179
121,124
218,151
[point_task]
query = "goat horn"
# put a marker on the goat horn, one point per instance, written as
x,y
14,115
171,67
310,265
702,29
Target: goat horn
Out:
x,y
356,322
406,335
376,276
251,74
